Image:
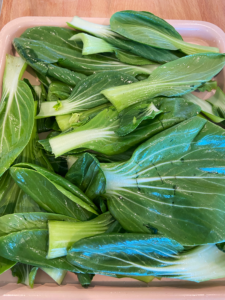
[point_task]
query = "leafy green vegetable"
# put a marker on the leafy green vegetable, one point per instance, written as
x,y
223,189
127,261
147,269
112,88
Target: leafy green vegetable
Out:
x,y
58,164
207,108
87,94
30,247
57,36
131,117
16,112
218,102
25,221
146,255
85,279
172,79
91,44
26,274
146,28
62,235
87,175
141,50
99,133
55,193
58,91
12,198
132,59
208,86
42,55
160,188
78,119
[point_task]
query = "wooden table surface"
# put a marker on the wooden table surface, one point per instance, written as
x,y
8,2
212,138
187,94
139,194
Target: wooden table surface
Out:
x,y
207,10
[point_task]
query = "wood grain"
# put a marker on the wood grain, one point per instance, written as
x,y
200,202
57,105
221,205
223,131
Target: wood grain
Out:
x,y
207,10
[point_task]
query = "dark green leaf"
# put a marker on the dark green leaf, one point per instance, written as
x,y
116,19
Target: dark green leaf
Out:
x,y
40,54
132,116
25,273
57,36
104,32
85,279
30,247
24,221
172,79
58,91
87,94
50,193
99,133
124,254
146,28
87,175
161,188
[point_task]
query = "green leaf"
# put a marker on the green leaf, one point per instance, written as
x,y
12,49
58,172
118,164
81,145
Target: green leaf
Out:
x,y
5,264
91,44
99,133
58,164
132,59
146,255
62,74
62,235
146,28
78,119
16,112
141,50
124,254
58,91
30,247
87,94
87,175
25,221
207,107
131,117
56,194
172,79
40,54
208,86
218,102
161,188
12,198
58,36
85,279
26,274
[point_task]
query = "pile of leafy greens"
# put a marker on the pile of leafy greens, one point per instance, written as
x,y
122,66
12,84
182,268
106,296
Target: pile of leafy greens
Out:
x,y
111,164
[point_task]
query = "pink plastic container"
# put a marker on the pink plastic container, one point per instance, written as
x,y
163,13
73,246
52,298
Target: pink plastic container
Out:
x,y
103,287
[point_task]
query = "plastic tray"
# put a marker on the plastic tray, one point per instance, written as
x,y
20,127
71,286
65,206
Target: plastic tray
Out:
x,y
103,287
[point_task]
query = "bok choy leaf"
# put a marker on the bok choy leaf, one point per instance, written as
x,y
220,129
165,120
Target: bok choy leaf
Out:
x,y
160,189
99,133
25,273
87,94
148,29
30,247
118,41
172,79
41,54
56,194
16,111
132,254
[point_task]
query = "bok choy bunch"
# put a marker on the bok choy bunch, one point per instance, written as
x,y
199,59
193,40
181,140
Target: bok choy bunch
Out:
x,y
110,161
